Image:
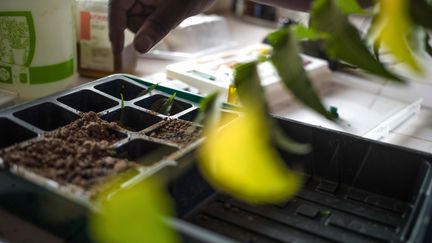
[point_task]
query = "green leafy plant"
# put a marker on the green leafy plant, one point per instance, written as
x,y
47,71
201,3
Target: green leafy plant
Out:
x,y
329,24
292,73
328,17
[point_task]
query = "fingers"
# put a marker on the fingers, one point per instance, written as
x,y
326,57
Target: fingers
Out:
x,y
166,17
156,26
117,18
150,19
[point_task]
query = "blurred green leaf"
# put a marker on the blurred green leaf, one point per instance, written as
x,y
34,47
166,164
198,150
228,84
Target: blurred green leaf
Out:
x,y
290,68
240,159
133,215
393,27
251,94
249,89
376,49
209,112
344,40
420,12
208,103
350,7
302,32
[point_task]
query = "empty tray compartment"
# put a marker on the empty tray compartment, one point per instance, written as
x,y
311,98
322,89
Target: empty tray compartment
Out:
x,y
144,152
132,119
46,116
87,100
12,133
116,87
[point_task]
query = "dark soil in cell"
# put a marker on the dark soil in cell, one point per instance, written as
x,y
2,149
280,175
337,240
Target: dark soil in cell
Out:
x,y
177,131
79,153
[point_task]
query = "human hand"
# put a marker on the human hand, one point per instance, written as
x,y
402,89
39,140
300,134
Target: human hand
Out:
x,y
150,20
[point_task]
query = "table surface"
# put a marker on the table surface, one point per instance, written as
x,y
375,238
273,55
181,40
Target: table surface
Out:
x,y
415,133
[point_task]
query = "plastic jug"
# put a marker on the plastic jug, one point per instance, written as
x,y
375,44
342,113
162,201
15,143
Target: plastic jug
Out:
x,y
37,46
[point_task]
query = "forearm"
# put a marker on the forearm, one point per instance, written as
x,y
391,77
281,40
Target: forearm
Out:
x,y
302,5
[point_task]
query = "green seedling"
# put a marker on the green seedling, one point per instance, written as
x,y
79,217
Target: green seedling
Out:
x,y
148,90
167,105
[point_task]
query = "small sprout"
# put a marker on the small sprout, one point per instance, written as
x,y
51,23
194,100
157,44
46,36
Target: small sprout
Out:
x,y
122,111
148,90
167,105
325,213
122,101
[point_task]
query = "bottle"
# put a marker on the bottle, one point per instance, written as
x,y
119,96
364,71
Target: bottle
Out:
x,y
95,58
37,51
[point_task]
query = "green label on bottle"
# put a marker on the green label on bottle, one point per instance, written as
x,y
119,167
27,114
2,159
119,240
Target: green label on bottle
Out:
x,y
17,49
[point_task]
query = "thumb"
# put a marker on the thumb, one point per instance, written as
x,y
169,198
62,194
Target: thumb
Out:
x,y
150,33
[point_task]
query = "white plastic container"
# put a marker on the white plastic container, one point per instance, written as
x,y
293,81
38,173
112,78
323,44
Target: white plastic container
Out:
x,y
208,33
37,46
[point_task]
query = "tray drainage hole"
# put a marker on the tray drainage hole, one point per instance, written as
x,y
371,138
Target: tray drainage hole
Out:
x,y
47,116
86,100
132,119
12,133
155,103
144,152
115,87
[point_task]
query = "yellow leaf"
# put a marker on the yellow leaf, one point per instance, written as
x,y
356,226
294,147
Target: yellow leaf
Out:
x,y
134,214
392,28
240,160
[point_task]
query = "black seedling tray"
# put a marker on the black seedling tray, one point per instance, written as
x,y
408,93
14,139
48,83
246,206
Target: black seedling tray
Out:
x,y
62,207
355,190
